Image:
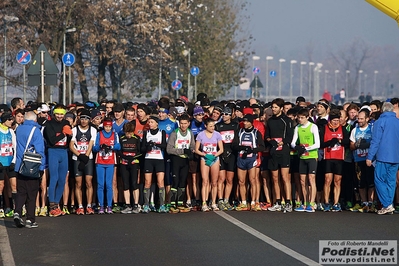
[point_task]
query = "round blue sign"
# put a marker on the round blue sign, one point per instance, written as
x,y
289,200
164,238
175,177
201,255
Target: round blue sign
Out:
x,y
256,70
24,57
68,59
273,73
194,71
176,85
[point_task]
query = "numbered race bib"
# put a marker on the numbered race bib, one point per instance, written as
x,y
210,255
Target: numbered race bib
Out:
x,y
124,161
249,144
183,143
61,142
279,148
306,153
6,149
210,148
227,136
105,155
362,153
82,146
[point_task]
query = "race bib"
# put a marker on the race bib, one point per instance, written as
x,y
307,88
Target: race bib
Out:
x,y
210,148
183,143
279,148
6,150
227,136
82,146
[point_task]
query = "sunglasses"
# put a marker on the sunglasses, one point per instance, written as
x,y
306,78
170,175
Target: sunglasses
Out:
x,y
226,114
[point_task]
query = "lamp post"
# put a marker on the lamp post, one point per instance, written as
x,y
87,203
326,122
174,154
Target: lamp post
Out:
x,y
254,58
347,80
291,76
375,83
317,81
325,79
63,71
5,20
267,76
281,60
336,79
301,81
360,80
311,64
189,88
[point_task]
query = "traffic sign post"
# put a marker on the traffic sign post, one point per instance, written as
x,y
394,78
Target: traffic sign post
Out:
x,y
195,72
24,57
273,74
256,70
68,59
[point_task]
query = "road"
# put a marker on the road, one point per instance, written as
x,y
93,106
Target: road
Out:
x,y
220,238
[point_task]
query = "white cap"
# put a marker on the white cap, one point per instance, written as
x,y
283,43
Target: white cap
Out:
x,y
43,108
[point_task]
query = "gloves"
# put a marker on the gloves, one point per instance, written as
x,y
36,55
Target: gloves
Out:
x,y
333,142
363,144
12,167
300,149
273,142
150,145
105,147
210,157
248,150
189,153
67,130
83,158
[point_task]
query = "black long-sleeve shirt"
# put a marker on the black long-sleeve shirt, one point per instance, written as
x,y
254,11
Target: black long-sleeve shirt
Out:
x,y
53,133
280,127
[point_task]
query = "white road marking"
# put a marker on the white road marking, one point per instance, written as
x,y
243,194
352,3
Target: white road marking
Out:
x,y
267,239
5,248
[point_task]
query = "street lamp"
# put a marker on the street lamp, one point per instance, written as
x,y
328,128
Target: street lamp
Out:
x,y
254,58
325,79
292,62
311,64
281,60
347,80
189,89
375,83
301,85
336,79
63,72
317,81
267,76
5,20
360,80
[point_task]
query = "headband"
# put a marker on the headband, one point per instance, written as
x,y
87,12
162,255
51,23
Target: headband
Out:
x,y
107,123
59,111
324,104
85,117
163,110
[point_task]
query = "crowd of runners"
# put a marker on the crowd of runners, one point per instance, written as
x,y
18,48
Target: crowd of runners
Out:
x,y
172,156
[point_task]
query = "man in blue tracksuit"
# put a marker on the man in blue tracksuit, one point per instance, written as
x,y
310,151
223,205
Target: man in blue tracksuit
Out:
x,y
386,155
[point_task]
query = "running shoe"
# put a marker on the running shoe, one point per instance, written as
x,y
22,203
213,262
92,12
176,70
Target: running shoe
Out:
x,y
80,211
320,207
205,208
301,208
146,209
242,207
265,205
309,208
116,208
43,211
348,205
89,210
136,209
327,207
173,209
18,221
127,210
23,211
152,208
2,213
73,209
65,210
275,208
388,210
37,211
162,209
337,208
298,204
139,208
101,210
9,213
288,207
183,209
257,206
188,205
55,212
228,206
29,224
355,208
365,208
109,210
215,207
221,206
253,207
396,209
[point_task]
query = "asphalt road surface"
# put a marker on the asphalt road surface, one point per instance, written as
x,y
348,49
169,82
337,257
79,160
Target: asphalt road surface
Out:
x,y
195,238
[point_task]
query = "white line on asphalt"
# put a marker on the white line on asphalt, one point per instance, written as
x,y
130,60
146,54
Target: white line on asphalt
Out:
x,y
5,248
268,240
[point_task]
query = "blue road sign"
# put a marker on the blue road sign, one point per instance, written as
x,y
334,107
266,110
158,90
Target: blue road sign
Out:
x,y
195,71
24,57
68,59
273,73
176,85
256,70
